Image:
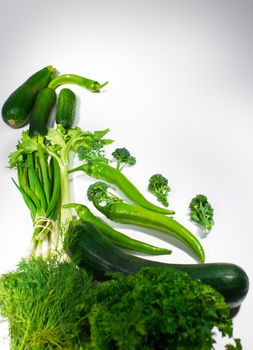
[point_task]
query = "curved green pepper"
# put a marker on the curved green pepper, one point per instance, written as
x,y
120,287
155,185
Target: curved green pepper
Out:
x,y
136,215
103,171
116,237
88,84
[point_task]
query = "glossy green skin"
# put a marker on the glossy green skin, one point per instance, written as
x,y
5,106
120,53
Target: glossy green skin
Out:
x,y
86,245
104,171
88,84
116,237
136,215
42,110
66,108
18,106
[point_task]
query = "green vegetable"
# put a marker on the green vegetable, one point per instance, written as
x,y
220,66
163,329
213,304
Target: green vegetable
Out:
x,y
43,180
61,143
90,249
115,237
157,308
123,158
42,301
116,210
158,185
39,183
66,108
88,84
103,171
201,212
51,304
41,113
18,106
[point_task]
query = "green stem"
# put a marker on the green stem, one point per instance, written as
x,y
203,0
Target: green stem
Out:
x,y
56,187
89,84
66,213
37,167
36,181
27,200
44,171
24,184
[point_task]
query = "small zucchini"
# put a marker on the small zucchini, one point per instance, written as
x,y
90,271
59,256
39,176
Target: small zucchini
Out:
x,y
66,108
18,106
85,244
40,116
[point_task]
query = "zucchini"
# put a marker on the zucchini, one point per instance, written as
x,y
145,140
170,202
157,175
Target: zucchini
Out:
x,y
40,116
90,249
18,106
66,108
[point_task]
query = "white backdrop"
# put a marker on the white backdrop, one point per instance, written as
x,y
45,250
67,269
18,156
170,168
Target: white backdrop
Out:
x,y
179,98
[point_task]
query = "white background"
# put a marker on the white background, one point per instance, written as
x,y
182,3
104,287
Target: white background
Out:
x,y
179,98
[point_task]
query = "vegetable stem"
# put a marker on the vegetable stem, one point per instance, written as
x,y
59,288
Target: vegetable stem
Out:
x,y
89,84
44,172
37,183
66,213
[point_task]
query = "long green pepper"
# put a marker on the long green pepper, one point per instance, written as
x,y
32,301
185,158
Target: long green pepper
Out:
x,y
136,215
115,236
89,84
105,172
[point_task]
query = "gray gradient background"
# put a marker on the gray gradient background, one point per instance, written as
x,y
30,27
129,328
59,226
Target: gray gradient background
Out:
x,y
180,98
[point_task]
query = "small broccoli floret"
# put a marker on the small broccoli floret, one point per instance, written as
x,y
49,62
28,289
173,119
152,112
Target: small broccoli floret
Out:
x,y
158,185
123,158
98,194
201,212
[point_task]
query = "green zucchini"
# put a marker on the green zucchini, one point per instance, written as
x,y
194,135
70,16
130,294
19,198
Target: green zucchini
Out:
x,y
85,244
18,106
66,108
40,116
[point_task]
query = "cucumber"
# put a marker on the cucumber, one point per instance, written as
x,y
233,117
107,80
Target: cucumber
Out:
x,y
86,245
66,108
40,116
18,106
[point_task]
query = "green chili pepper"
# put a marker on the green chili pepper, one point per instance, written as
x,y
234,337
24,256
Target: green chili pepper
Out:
x,y
116,237
136,215
89,84
103,171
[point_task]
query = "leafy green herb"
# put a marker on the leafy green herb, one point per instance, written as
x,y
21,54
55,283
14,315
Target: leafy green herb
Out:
x,y
93,151
156,309
42,301
201,212
158,185
51,304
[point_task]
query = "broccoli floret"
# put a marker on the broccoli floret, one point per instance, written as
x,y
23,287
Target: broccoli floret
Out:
x,y
158,185
201,212
123,158
98,194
